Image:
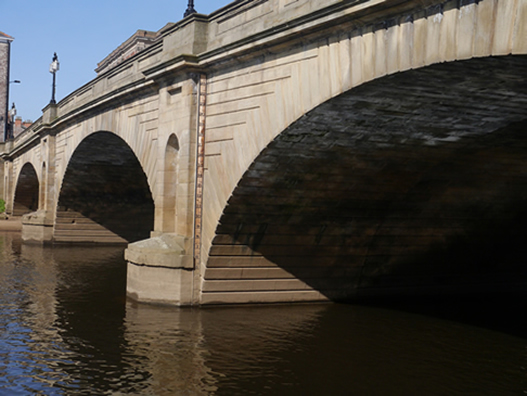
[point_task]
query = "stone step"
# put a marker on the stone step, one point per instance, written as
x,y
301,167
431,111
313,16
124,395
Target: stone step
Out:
x,y
64,217
262,297
306,272
89,239
347,261
254,285
84,232
78,226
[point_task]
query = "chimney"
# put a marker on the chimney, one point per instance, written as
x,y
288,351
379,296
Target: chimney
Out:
x,y
18,122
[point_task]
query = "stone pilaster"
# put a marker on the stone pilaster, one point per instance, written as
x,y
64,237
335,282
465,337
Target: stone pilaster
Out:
x,y
37,227
8,186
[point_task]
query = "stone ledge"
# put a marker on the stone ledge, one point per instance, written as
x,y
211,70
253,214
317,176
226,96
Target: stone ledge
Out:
x,y
40,218
166,250
159,285
37,227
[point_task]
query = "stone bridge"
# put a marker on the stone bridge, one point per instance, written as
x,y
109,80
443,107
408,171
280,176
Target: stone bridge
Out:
x,y
296,150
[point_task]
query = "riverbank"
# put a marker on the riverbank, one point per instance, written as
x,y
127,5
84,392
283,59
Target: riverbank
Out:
x,y
11,224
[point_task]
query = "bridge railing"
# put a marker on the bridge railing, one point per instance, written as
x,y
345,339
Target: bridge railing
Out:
x,y
8,146
27,133
204,37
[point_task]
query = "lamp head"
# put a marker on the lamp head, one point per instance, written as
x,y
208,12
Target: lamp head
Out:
x,y
54,67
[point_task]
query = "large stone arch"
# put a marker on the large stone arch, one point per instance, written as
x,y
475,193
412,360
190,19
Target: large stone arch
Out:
x,y
421,191
104,195
26,194
310,75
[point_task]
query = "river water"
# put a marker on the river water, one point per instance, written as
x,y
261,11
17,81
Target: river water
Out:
x,y
66,328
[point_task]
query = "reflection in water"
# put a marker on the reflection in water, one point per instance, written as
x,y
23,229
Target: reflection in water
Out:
x,y
66,329
170,341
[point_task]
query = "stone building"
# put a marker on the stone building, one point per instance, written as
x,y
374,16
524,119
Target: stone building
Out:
x,y
5,49
20,126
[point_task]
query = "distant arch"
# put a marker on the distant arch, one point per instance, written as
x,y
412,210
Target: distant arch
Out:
x,y
27,191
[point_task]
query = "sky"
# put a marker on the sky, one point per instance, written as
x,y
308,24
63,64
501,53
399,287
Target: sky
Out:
x,y
82,33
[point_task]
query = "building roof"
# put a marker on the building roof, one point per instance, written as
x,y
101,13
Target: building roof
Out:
x,y
5,36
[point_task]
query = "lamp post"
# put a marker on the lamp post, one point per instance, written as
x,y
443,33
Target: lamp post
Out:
x,y
54,68
190,9
11,123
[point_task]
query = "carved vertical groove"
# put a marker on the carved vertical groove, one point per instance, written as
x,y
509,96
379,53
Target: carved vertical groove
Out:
x,y
200,167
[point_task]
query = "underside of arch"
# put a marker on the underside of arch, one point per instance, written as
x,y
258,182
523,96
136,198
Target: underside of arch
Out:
x,y
412,183
27,190
105,197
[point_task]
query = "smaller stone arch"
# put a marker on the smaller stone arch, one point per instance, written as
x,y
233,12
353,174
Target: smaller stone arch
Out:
x,y
104,195
26,198
170,184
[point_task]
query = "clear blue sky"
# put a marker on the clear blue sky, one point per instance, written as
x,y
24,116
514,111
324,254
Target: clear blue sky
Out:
x,y
82,33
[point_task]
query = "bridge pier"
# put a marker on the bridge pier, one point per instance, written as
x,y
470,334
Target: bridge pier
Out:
x,y
160,270
37,227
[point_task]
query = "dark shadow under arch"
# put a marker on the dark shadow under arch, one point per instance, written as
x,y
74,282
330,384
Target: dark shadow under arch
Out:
x,y
413,183
105,196
27,191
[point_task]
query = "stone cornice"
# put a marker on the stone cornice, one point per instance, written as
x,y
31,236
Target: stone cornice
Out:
x,y
361,13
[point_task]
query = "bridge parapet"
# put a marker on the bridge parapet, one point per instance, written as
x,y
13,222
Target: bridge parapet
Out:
x,y
201,41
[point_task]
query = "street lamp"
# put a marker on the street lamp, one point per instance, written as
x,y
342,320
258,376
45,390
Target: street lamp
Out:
x,y
9,116
190,9
12,113
54,68
11,123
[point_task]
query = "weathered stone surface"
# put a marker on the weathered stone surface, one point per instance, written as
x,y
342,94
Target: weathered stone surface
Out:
x,y
159,285
166,250
160,269
37,227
